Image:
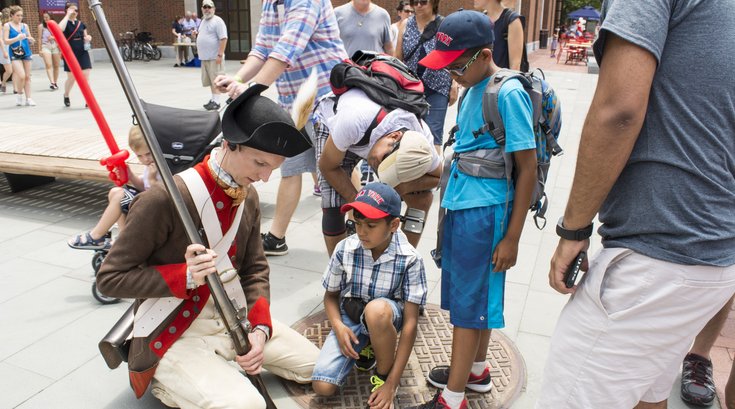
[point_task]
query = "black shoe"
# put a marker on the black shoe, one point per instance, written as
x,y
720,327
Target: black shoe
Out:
x,y
176,65
439,376
697,385
211,106
273,246
67,103
366,361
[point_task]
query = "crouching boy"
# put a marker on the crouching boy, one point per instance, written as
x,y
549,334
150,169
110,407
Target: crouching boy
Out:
x,y
375,284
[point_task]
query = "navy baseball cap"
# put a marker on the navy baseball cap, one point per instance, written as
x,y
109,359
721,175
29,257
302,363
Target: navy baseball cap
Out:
x,y
460,31
375,201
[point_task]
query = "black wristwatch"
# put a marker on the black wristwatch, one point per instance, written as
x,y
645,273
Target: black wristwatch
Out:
x,y
577,235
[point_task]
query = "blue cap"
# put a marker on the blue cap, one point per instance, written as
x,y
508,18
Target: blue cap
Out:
x,y
376,201
460,31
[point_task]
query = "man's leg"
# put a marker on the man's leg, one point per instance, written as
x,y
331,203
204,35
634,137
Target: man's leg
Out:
x,y
194,374
621,337
421,201
697,383
289,354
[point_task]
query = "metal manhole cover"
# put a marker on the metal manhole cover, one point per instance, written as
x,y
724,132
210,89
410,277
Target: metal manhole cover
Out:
x,y
60,198
432,347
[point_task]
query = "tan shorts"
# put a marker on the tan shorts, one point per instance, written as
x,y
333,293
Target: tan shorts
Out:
x,y
622,336
210,71
50,49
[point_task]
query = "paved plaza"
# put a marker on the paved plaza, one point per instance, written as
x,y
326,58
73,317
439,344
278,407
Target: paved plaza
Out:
x,y
51,324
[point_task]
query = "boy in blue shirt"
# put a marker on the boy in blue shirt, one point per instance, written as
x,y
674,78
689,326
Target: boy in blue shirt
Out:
x,y
484,216
375,284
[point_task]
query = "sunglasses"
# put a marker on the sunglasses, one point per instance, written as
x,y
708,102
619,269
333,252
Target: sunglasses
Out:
x,y
409,11
206,7
460,71
417,2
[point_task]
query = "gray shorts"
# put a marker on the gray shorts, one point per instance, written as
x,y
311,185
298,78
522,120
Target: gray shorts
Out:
x,y
330,197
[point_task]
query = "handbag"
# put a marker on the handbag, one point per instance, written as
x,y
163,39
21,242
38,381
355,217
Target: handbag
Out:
x,y
18,52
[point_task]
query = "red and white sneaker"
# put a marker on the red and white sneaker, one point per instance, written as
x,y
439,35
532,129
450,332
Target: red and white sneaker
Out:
x,y
438,402
439,376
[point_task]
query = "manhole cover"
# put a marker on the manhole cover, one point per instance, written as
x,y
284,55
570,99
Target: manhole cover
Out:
x,y
433,347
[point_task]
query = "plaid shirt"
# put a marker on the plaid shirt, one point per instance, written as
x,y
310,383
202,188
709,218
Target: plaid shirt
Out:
x,y
397,274
304,35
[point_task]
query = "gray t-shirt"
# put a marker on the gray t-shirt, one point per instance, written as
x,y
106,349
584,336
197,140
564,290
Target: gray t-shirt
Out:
x,y
363,32
675,199
211,31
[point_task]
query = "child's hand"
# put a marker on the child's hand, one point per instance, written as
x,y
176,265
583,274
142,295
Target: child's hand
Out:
x,y
346,338
383,397
505,254
152,171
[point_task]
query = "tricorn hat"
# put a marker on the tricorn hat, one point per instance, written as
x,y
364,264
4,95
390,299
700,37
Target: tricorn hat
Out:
x,y
257,122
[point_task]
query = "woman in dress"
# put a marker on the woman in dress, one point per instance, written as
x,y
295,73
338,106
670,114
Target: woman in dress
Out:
x,y
413,45
18,37
76,33
49,51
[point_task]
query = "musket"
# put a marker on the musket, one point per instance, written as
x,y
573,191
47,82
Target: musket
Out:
x,y
231,317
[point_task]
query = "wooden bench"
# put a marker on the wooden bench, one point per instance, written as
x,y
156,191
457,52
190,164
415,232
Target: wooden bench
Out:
x,y
32,155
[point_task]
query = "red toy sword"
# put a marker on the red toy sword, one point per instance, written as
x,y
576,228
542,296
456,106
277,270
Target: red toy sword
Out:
x,y
116,162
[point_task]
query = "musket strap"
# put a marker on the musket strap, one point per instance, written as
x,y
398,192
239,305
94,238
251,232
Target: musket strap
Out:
x,y
153,311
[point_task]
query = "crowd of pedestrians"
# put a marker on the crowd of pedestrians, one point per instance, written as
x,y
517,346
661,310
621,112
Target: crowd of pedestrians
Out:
x,y
650,301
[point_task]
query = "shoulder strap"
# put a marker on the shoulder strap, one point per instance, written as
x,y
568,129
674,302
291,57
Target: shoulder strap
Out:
x,y
374,124
79,24
428,33
490,112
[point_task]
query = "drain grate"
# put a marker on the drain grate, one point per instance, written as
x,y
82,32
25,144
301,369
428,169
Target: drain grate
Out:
x,y
432,347
61,198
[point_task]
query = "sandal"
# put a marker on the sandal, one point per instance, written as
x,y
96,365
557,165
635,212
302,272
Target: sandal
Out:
x,y
84,241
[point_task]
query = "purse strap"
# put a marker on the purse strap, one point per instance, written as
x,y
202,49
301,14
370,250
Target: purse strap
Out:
x,y
79,24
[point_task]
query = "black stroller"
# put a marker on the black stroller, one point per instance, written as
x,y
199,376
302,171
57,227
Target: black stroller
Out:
x,y
185,137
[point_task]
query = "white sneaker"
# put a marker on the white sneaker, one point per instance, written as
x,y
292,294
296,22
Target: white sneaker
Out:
x,y
30,102
18,99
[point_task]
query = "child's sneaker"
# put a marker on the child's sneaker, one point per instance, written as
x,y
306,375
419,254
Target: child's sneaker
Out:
x,y
84,241
377,381
30,102
438,402
366,361
439,376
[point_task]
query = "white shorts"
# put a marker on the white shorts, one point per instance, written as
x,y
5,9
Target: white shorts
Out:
x,y
622,336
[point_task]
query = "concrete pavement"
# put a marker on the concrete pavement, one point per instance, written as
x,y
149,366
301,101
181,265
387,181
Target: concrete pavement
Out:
x,y
51,324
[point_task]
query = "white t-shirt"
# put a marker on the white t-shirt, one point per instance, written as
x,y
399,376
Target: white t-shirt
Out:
x,y
211,31
355,113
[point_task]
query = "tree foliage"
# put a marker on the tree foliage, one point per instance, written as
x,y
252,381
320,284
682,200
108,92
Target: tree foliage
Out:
x,y
569,6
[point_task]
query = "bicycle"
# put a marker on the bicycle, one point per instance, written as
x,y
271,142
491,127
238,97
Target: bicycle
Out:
x,y
138,46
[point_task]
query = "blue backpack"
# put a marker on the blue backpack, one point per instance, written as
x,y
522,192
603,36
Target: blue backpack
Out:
x,y
496,163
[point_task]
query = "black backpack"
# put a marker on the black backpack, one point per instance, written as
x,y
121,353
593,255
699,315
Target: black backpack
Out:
x,y
385,80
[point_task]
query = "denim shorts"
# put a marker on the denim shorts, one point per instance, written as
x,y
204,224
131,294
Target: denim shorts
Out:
x,y
305,162
333,367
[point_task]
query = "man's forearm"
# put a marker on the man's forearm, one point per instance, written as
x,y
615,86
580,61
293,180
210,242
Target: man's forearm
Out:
x,y
341,182
251,67
222,47
271,70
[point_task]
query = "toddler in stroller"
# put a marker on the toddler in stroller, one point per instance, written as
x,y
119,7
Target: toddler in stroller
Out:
x,y
185,137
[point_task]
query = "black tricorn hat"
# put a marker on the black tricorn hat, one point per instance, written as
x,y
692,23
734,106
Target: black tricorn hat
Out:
x,y
255,121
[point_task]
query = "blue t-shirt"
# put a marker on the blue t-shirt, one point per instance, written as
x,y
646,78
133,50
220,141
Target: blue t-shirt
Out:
x,y
464,191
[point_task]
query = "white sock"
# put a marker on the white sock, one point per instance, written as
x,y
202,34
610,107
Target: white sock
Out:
x,y
215,98
453,399
478,368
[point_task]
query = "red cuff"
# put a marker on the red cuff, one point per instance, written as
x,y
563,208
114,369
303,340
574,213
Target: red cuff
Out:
x,y
260,314
175,277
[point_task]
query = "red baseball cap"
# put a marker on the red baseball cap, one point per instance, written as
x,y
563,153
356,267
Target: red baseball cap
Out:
x,y
460,31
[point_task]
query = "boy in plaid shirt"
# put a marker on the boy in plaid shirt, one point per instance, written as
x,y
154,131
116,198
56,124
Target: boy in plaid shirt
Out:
x,y
375,284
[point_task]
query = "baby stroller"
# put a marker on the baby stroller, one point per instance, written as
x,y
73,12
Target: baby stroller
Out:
x,y
185,137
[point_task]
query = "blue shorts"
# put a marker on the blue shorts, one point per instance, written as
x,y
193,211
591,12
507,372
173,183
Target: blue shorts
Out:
x,y
471,291
305,162
333,367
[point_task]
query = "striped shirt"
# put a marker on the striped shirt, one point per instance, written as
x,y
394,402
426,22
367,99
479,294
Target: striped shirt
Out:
x,y
303,34
397,274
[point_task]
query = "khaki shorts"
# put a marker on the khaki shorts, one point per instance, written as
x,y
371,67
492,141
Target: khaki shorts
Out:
x,y
210,71
50,49
622,336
